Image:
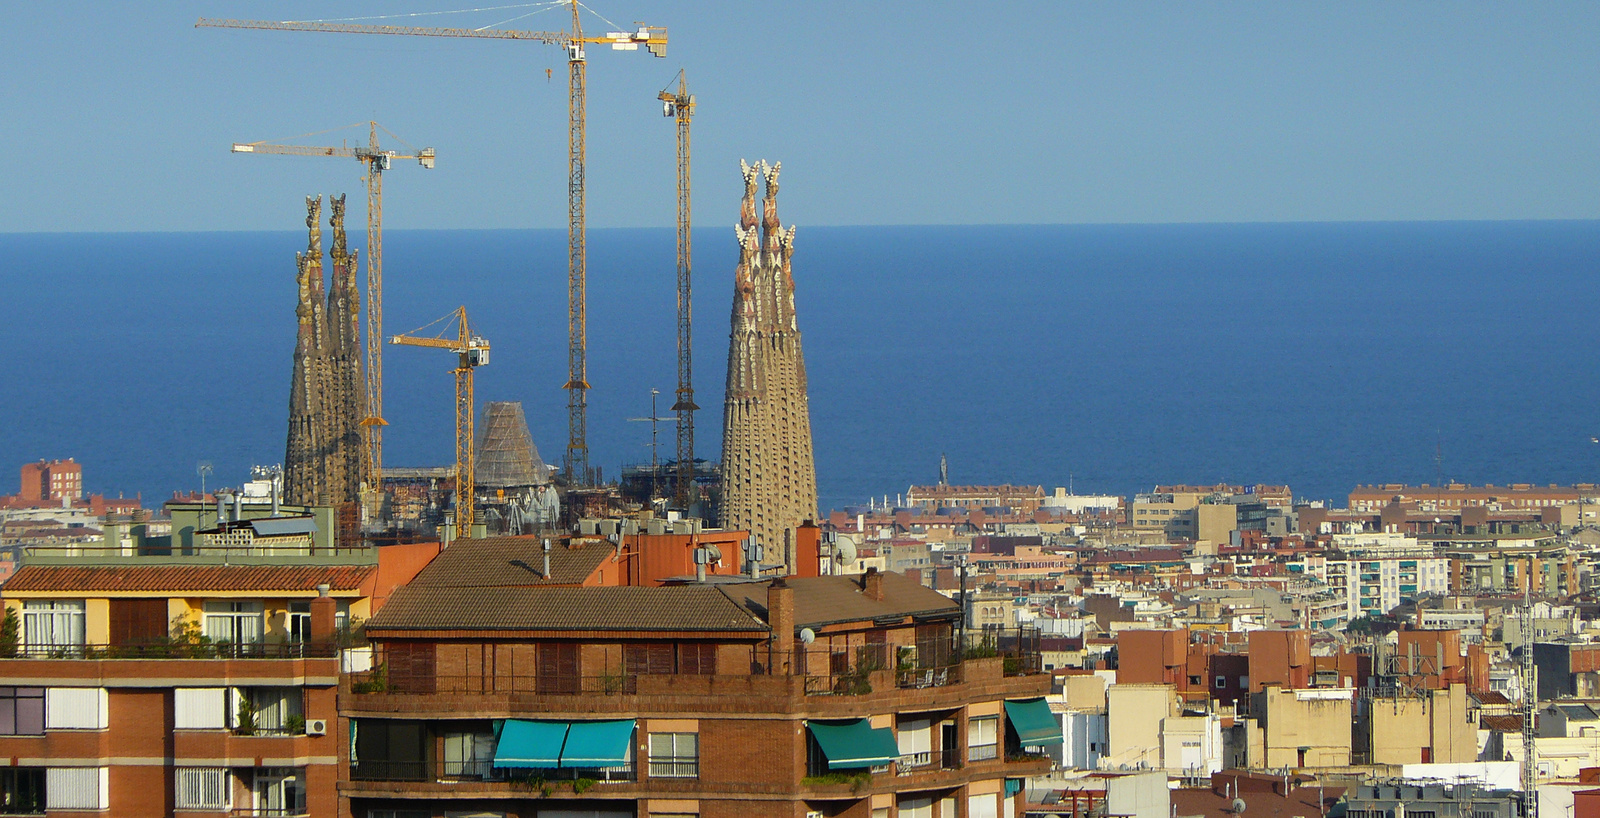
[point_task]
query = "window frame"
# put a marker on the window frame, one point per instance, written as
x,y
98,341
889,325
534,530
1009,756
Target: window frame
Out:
x,y
983,750
227,625
674,763
57,615
203,781
14,696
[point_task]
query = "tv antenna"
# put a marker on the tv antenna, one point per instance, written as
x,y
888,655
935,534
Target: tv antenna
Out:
x,y
655,468
204,469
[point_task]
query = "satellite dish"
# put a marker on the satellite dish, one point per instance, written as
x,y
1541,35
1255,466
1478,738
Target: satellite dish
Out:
x,y
844,552
807,636
1237,807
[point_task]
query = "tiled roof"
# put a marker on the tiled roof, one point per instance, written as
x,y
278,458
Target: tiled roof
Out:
x,y
673,608
187,578
492,562
1502,724
823,600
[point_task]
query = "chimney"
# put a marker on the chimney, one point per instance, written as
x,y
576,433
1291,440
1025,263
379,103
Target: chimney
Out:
x,y
872,585
546,573
238,506
222,509
780,617
323,610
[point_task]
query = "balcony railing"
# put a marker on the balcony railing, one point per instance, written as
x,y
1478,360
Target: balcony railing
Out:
x,y
983,752
928,761
423,771
674,768
174,650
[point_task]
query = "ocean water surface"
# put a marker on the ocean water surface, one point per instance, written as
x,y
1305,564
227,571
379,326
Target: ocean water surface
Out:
x,y
1113,357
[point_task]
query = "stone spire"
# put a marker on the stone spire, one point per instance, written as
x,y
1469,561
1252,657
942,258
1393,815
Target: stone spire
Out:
x,y
325,459
769,484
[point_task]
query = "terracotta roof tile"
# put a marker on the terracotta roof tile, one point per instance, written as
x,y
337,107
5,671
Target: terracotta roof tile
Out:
x,y
187,578
822,600
511,561
672,608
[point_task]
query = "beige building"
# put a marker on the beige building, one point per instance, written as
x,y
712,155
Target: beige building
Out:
x,y
1149,729
1300,728
1432,727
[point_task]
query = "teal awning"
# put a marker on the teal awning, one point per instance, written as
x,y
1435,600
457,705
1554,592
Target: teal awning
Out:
x,y
598,744
855,744
530,743
1034,723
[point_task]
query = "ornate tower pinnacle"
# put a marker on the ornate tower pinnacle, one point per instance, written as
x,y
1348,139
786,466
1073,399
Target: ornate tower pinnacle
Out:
x,y
769,484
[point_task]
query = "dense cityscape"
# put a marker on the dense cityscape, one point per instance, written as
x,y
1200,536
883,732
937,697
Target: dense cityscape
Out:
x,y
335,634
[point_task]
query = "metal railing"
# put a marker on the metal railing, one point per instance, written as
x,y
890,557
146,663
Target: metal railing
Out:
x,y
422,771
983,752
174,650
674,767
928,761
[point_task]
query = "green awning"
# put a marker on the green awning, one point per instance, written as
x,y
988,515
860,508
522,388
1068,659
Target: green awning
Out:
x,y
855,744
598,744
1034,723
526,743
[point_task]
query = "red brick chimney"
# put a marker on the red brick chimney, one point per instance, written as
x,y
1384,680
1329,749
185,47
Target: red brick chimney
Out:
x,y
780,617
323,610
872,585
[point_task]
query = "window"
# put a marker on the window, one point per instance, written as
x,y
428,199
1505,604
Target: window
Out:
x,y
77,788
200,708
76,708
21,711
21,791
674,755
278,792
52,623
469,755
915,737
1222,681
558,670
299,621
388,750
236,623
202,788
915,807
665,658
272,709
983,738
983,806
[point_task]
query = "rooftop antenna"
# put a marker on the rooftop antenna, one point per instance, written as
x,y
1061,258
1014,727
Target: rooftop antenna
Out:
x,y
203,468
1530,762
655,469
944,470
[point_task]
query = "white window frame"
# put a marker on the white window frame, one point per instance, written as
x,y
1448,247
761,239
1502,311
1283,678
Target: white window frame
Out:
x,y
76,708
915,739
469,755
200,708
203,789
983,738
297,622
273,706
237,622
278,791
914,807
674,755
52,623
77,788
983,806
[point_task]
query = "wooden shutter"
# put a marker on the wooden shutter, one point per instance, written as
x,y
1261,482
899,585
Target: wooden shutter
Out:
x,y
138,621
558,668
697,658
411,666
649,658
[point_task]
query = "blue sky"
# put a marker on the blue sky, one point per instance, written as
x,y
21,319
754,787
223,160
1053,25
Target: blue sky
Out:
x,y
118,116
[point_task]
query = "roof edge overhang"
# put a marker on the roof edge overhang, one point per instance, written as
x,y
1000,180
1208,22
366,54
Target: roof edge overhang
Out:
x,y
481,634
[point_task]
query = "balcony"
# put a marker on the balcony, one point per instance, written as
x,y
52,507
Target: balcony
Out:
x,y
174,649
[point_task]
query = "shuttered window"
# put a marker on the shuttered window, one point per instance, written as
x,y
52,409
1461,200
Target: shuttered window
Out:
x,y
697,658
138,621
77,788
202,788
558,668
199,708
411,667
75,708
983,806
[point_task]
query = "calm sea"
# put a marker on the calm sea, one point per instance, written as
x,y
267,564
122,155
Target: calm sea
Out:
x,y
1116,357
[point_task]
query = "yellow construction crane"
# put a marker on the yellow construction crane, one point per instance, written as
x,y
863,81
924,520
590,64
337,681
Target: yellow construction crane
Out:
x,y
376,161
474,352
681,106
654,41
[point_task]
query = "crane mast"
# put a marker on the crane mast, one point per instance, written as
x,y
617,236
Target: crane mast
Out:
x,y
681,107
654,40
472,352
577,456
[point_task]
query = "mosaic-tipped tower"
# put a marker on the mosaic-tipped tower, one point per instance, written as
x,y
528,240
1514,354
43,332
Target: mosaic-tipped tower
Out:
x,y
326,462
769,482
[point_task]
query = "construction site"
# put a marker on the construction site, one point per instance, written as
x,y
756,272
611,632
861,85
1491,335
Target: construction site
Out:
x,y
499,483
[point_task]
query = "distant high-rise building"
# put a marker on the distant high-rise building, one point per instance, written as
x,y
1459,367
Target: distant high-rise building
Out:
x,y
326,462
769,480
49,481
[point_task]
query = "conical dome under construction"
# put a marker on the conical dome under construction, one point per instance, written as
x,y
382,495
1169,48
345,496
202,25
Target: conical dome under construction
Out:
x,y
769,479
506,456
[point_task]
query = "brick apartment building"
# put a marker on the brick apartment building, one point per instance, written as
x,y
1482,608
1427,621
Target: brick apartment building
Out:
x,y
496,694
200,679
49,482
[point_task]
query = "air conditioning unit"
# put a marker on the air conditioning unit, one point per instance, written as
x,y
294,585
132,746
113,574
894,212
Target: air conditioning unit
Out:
x,y
316,727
